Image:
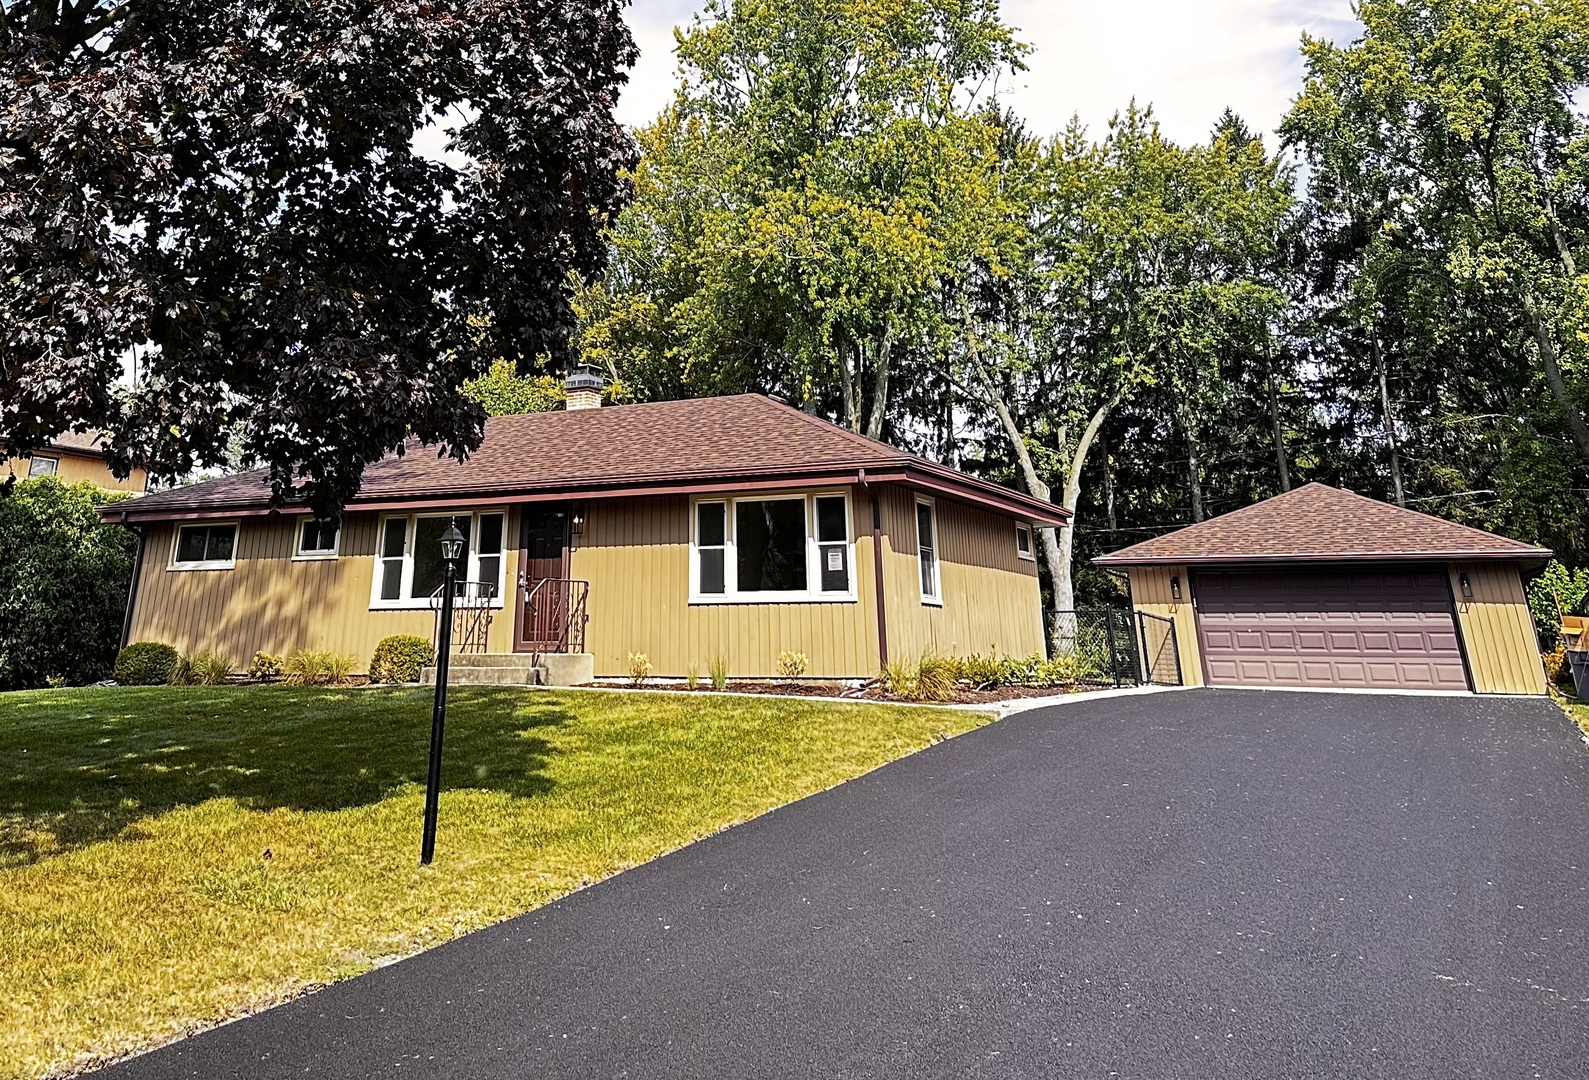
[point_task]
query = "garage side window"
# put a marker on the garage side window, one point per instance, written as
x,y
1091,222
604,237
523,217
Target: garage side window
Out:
x,y
927,552
43,466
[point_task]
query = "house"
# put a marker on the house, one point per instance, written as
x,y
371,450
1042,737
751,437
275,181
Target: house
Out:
x,y
730,527
1321,587
73,458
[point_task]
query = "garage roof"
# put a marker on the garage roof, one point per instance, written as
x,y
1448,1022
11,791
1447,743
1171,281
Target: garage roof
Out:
x,y
1319,523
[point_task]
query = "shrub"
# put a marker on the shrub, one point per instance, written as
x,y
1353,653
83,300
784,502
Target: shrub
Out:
x,y
1557,591
982,672
935,678
265,667
718,672
639,668
692,677
1557,670
55,682
792,665
202,669
313,668
1062,670
63,583
898,678
145,663
398,658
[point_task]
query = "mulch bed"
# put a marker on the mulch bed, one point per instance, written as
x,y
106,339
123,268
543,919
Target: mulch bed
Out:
x,y
871,692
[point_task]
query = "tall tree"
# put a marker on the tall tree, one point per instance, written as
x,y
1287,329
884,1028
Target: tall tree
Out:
x,y
230,192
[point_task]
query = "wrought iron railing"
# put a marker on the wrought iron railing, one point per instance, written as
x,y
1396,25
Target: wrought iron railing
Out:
x,y
472,605
555,615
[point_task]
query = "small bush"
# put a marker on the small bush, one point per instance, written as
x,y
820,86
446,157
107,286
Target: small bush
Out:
x,y
718,672
398,658
313,668
1062,670
55,682
1557,670
145,663
203,669
639,668
935,678
898,678
265,667
982,672
692,677
792,665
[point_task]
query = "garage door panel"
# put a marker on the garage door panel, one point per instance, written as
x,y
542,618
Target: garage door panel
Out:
x,y
1373,629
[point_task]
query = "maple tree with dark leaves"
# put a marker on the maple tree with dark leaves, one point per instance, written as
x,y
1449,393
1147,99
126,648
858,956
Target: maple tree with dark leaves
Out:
x,y
225,200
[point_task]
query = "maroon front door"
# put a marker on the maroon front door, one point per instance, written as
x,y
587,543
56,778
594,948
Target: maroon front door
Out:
x,y
542,619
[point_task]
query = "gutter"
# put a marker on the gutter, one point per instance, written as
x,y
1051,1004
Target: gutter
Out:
x,y
137,574
1523,555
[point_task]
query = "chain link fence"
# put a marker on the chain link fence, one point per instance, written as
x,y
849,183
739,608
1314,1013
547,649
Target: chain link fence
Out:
x,y
1117,647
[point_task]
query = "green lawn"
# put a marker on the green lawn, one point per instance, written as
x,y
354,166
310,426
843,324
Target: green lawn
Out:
x,y
170,857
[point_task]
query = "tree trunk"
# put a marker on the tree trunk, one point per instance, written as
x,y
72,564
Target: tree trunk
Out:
x,y
885,350
1194,464
847,381
1553,375
1279,430
1108,487
1390,421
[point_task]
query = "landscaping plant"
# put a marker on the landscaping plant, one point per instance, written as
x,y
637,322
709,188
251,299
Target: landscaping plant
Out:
x,y
718,672
692,677
265,667
202,669
792,665
399,658
936,677
639,668
314,668
145,663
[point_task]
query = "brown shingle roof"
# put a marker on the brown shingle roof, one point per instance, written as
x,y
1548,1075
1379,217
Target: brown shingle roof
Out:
x,y
659,445
1318,523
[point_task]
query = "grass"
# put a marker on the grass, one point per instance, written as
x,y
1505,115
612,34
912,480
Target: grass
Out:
x,y
1579,713
172,857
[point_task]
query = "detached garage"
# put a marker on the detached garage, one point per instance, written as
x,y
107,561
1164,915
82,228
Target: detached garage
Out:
x,y
1325,588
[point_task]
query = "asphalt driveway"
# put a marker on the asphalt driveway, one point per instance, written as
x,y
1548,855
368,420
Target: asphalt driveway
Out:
x,y
1197,884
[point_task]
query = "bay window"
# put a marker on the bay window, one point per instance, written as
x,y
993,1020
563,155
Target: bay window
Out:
x,y
771,549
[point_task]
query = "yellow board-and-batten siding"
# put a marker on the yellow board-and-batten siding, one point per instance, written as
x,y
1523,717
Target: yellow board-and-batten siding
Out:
x,y
74,468
1497,629
635,553
1151,592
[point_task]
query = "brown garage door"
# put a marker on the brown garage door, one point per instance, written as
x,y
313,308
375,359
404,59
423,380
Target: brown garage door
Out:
x,y
1378,629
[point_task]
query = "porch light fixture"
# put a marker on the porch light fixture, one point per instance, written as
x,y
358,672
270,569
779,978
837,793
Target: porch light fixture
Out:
x,y
576,520
451,551
1466,586
1175,589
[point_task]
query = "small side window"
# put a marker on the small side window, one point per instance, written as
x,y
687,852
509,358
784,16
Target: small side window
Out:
x,y
711,545
205,547
43,466
317,539
927,552
1023,542
394,545
833,543
488,557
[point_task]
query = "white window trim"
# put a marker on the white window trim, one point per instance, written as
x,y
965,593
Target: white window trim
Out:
x,y
56,461
1030,554
813,594
206,564
935,598
404,602
300,555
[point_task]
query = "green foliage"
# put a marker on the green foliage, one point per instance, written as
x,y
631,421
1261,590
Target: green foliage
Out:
x,y
265,667
316,668
792,665
1557,591
145,663
692,677
63,583
504,392
201,669
935,678
322,304
398,658
983,672
639,668
718,672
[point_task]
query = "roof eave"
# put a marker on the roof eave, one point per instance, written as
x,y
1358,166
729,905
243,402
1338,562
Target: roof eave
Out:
x,y
1525,555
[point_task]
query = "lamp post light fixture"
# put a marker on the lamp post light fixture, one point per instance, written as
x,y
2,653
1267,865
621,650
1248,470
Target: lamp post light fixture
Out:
x,y
451,551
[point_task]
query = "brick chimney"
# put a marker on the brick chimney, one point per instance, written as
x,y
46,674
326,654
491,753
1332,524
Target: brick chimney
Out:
x,y
583,388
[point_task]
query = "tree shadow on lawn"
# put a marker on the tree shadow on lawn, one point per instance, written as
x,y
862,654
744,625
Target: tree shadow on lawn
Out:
x,y
76,768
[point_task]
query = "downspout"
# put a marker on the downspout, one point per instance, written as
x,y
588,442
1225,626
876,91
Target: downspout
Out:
x,y
137,572
877,570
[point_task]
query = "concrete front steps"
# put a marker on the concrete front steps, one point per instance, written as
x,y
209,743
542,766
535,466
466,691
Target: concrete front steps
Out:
x,y
515,669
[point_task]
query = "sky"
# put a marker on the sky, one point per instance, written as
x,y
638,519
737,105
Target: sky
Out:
x,y
1188,58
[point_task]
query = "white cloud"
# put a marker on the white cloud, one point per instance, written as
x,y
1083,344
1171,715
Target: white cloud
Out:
x,y
1189,58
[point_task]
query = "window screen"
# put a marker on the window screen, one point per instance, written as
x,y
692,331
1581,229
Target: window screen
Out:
x,y
770,541
833,543
710,543
927,547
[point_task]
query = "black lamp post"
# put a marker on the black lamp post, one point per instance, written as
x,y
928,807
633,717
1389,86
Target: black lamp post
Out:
x,y
451,551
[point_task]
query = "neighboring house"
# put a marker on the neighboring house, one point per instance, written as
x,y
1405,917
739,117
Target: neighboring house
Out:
x,y
74,458
1325,588
733,527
